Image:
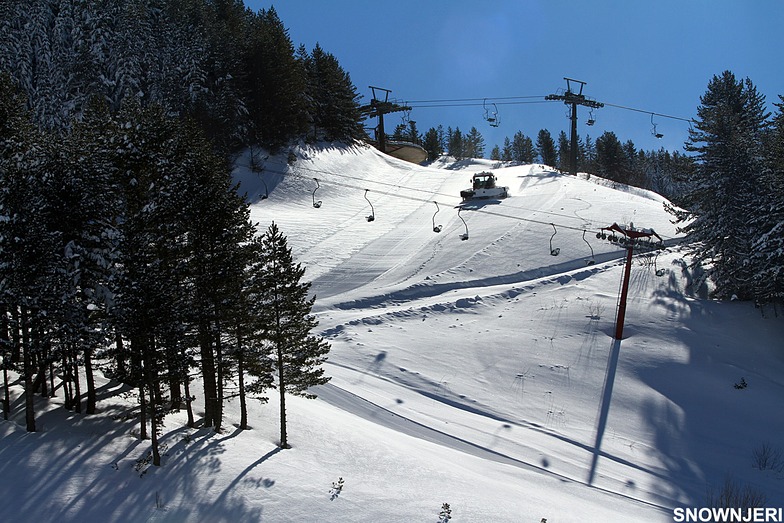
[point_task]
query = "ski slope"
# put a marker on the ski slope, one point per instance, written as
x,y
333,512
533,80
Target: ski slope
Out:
x,y
480,373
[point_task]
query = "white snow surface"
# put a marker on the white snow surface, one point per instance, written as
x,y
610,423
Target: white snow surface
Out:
x,y
480,373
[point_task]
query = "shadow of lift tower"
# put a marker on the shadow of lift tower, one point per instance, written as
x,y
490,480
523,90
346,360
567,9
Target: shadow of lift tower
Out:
x,y
632,239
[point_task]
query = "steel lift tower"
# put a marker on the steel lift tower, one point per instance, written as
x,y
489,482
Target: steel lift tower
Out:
x,y
570,97
378,108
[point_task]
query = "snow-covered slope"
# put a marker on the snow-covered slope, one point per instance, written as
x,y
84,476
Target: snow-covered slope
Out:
x,y
480,373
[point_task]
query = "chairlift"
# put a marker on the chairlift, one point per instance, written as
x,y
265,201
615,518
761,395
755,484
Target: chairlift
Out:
x,y
591,260
465,235
436,228
557,250
591,120
372,215
316,204
492,117
654,132
657,270
406,117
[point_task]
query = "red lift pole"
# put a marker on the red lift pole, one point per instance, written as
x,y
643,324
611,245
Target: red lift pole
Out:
x,y
624,293
630,238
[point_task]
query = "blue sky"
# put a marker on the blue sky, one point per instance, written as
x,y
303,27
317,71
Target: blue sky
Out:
x,y
654,56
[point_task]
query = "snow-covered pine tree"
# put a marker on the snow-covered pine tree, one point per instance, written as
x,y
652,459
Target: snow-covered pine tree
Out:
x,y
724,213
768,250
276,81
252,352
334,100
288,323
27,244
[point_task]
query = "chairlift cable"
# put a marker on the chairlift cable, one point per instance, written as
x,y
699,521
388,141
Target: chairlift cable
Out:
x,y
429,200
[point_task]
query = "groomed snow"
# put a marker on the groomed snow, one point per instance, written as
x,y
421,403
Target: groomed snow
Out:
x,y
481,373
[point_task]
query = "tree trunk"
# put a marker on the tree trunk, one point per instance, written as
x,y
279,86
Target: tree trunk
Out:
x,y
156,454
77,385
175,390
189,403
243,405
119,356
219,402
52,388
284,444
28,374
42,370
67,392
208,374
143,401
6,353
88,373
16,342
6,394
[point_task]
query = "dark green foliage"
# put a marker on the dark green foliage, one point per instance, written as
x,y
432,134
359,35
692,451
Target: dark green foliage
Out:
x,y
234,72
288,323
545,146
433,143
455,143
523,150
611,161
333,100
276,81
768,247
473,144
724,196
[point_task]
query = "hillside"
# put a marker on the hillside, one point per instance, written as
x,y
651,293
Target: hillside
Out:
x,y
480,373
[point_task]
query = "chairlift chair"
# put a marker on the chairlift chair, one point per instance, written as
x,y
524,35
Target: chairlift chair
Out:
x,y
591,260
557,250
436,228
372,215
591,119
463,236
654,132
316,203
492,118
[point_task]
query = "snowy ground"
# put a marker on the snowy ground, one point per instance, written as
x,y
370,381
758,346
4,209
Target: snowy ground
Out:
x,y
480,373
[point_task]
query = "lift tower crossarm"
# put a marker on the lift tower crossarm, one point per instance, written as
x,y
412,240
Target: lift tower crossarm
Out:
x,y
378,108
631,238
574,99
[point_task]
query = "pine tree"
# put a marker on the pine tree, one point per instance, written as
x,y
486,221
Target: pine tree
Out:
x,y
28,264
276,80
474,144
523,150
768,249
564,147
506,151
611,160
455,144
335,111
288,324
723,198
546,148
432,144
